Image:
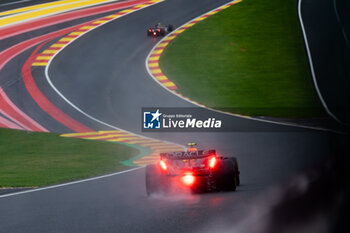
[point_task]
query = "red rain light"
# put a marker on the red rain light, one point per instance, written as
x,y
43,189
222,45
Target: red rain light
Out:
x,y
163,165
188,179
154,33
212,162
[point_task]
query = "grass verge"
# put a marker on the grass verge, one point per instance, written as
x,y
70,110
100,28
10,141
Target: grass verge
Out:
x,y
247,59
38,159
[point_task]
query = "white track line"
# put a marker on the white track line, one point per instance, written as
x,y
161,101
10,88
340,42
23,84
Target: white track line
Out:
x,y
312,67
12,3
69,183
215,110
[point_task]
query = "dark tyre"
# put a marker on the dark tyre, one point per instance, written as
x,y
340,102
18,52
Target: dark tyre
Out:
x,y
170,28
225,176
155,180
237,172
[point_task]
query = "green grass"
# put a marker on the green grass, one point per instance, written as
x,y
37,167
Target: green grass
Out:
x,y
37,159
248,59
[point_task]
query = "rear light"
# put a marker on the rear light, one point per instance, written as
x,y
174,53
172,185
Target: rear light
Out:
x,y
149,30
212,162
188,179
154,33
163,165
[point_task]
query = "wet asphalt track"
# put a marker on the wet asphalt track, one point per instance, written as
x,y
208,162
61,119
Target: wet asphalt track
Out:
x,y
103,73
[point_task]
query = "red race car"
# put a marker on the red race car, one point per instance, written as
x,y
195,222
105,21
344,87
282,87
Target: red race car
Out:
x,y
159,30
197,171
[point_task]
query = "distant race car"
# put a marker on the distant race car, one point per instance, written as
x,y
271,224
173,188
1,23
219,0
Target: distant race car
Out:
x,y
198,171
160,30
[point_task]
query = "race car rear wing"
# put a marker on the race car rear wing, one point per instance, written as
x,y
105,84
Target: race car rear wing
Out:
x,y
188,154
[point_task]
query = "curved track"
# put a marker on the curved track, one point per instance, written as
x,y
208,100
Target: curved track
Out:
x,y
103,73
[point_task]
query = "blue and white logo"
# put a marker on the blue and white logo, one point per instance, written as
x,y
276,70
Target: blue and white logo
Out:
x,y
152,120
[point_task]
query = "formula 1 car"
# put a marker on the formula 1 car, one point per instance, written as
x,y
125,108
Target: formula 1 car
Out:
x,y
198,171
159,30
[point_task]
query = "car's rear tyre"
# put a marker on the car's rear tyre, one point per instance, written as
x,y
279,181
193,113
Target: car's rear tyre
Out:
x,y
237,172
170,28
225,176
155,180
